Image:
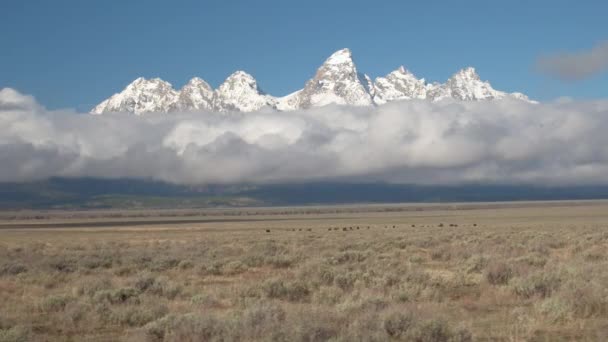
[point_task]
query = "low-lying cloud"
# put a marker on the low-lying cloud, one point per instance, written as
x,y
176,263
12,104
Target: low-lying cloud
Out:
x,y
416,142
576,66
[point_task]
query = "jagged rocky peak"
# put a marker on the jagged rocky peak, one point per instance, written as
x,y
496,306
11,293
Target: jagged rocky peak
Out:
x,y
400,84
141,96
468,74
337,82
199,83
239,80
465,85
343,56
240,92
195,95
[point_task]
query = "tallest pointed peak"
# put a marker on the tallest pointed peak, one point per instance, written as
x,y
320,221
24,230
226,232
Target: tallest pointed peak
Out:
x,y
340,57
240,74
468,73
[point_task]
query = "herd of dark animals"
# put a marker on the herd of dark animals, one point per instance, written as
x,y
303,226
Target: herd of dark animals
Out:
x,y
344,229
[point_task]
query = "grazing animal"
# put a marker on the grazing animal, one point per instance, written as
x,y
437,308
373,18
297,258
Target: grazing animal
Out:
x,y
441,225
344,229
267,230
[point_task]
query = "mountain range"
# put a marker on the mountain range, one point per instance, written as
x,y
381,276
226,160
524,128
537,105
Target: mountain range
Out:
x,y
337,81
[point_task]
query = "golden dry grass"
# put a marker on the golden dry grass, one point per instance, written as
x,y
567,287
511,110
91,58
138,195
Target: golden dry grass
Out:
x,y
434,273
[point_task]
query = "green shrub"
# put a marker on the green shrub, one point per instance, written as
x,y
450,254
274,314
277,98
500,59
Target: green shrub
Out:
x,y
325,276
397,324
204,300
555,309
327,295
15,334
163,264
280,261
347,257
346,281
437,330
534,259
295,291
160,286
585,300
12,268
187,328
137,316
96,261
118,296
476,264
185,265
262,318
233,268
62,263
541,284
91,286
54,303
499,274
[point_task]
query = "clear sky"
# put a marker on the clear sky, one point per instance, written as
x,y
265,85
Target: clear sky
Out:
x,y
75,53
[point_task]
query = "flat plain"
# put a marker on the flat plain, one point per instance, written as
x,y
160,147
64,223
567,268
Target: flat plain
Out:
x,y
520,271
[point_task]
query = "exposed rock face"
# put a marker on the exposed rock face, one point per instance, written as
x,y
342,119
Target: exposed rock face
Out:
x,y
141,96
240,92
195,95
337,81
465,85
399,85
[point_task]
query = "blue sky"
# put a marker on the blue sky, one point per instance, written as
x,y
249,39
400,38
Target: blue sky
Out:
x,y
74,53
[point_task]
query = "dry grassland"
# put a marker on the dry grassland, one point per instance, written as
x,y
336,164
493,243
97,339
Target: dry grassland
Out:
x,y
437,273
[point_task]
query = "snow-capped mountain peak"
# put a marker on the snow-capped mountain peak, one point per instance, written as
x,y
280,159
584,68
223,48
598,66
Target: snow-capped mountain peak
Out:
x,y
195,95
198,83
465,85
468,74
400,84
343,56
239,80
141,96
337,81
240,92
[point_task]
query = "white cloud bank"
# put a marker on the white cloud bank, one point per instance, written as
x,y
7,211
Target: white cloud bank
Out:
x,y
415,142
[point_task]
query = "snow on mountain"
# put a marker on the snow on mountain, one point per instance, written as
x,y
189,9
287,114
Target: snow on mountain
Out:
x,y
240,92
139,97
337,81
466,85
289,102
399,85
195,95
